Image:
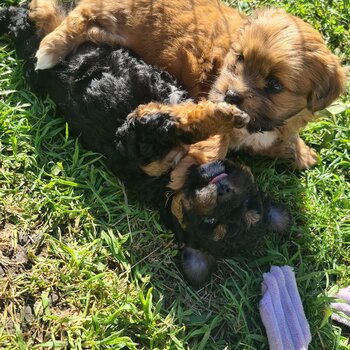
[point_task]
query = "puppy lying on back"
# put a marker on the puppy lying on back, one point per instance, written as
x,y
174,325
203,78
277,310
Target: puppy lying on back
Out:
x,y
272,65
215,209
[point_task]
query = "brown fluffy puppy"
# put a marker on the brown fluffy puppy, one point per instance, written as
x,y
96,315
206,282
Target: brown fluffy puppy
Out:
x,y
272,65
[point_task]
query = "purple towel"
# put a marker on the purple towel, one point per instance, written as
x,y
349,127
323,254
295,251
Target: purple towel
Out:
x,y
282,312
342,308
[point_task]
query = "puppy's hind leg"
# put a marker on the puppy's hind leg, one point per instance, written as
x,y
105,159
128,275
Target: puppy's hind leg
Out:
x,y
84,23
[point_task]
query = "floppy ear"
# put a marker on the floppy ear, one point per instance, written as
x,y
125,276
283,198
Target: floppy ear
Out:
x,y
328,84
197,266
278,217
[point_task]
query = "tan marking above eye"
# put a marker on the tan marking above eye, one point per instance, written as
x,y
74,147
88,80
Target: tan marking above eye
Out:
x,y
252,217
178,202
219,232
205,200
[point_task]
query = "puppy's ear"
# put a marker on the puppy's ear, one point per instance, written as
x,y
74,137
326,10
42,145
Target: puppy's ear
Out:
x,y
279,218
197,266
329,80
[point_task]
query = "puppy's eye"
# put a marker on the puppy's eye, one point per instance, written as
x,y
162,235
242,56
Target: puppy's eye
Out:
x,y
273,85
240,57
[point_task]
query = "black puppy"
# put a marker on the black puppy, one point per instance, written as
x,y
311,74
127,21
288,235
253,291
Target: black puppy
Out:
x,y
162,152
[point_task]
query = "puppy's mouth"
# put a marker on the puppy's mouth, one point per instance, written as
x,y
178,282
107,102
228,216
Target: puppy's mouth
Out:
x,y
217,178
212,173
262,123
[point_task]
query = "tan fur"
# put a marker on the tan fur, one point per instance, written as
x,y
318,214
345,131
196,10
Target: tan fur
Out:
x,y
219,232
176,208
204,202
46,15
214,148
208,121
203,119
211,48
251,218
281,143
179,174
170,161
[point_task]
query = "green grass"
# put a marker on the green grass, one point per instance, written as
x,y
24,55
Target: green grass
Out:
x,y
83,266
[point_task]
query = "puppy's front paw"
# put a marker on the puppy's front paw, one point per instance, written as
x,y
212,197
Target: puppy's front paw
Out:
x,y
305,157
238,118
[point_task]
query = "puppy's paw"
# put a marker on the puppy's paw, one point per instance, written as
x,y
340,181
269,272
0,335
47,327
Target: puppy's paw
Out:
x,y
45,59
305,157
238,118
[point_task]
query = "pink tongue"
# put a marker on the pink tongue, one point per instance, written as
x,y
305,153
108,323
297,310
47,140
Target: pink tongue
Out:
x,y
217,178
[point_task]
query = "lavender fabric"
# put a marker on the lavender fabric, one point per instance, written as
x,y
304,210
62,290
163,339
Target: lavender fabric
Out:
x,y
282,312
341,309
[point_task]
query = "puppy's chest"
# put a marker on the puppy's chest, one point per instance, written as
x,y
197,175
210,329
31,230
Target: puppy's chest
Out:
x,y
241,139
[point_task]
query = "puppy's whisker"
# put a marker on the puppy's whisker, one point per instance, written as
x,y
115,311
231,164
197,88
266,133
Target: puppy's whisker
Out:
x,y
168,195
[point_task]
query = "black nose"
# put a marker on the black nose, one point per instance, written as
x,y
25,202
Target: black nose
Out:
x,y
225,191
233,97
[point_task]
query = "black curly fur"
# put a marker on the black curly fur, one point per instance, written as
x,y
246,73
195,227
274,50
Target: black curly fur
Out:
x,y
95,89
104,85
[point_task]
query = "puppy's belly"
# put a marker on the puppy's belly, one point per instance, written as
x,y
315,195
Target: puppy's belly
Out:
x,y
242,139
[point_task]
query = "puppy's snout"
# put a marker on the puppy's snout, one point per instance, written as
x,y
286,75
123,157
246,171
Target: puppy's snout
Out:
x,y
233,97
224,190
